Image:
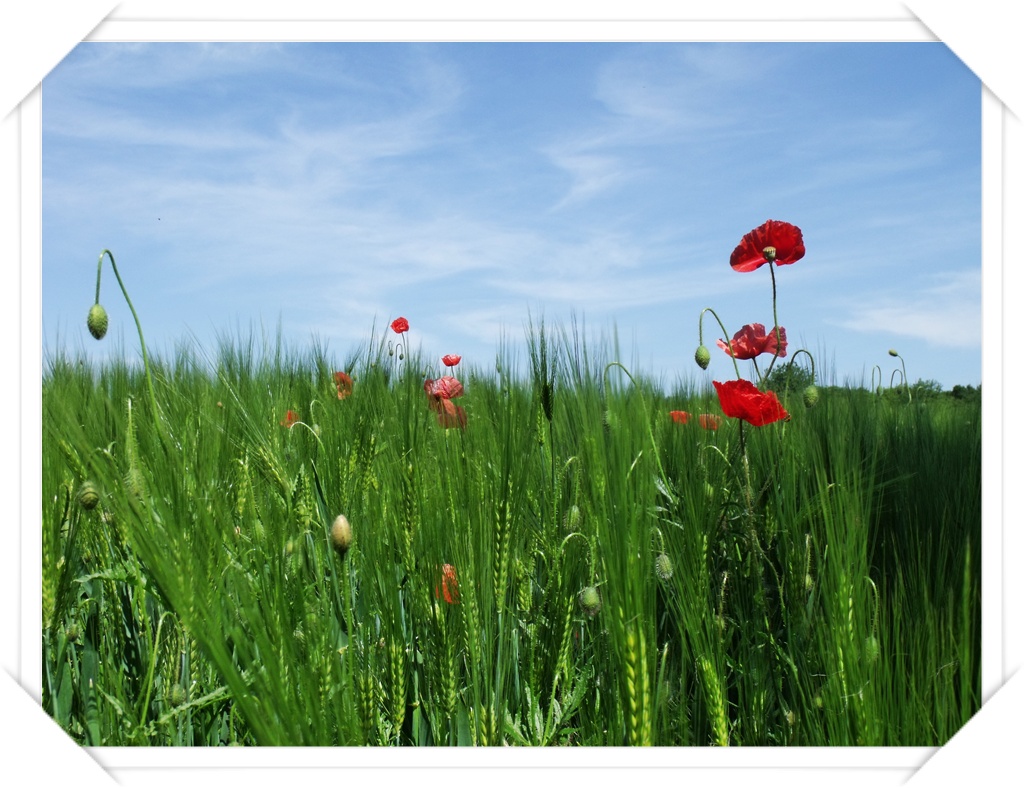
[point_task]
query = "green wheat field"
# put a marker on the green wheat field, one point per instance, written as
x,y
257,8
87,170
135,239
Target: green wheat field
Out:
x,y
544,556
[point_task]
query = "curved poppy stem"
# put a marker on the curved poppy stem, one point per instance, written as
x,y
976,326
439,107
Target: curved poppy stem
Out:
x,y
876,367
647,416
792,361
138,326
700,335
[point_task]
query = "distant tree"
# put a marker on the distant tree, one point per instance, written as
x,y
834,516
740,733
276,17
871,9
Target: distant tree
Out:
x,y
966,393
926,389
793,377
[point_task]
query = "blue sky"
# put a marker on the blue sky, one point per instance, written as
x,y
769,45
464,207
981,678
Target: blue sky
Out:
x,y
468,187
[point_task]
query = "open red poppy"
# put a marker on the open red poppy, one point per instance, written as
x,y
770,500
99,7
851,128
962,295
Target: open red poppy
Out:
x,y
679,416
779,242
451,415
751,341
343,381
449,588
446,387
451,360
399,325
290,418
740,399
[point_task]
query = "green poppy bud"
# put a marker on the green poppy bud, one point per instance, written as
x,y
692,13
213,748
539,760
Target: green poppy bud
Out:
x,y
811,395
892,352
177,695
663,566
88,496
97,321
590,601
871,649
703,357
341,535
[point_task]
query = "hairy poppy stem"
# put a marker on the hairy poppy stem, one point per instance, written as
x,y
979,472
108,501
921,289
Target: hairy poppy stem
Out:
x,y
775,317
138,326
700,334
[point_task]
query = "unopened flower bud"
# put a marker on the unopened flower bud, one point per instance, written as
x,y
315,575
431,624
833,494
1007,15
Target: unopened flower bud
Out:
x,y
871,649
663,566
590,601
703,357
811,395
892,352
88,496
97,321
341,535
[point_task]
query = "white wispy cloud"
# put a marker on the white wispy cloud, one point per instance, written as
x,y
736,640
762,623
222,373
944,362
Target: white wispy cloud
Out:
x,y
945,313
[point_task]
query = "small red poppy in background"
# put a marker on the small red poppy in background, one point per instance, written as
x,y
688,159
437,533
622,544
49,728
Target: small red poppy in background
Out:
x,y
742,400
343,381
778,242
399,325
679,416
451,360
449,586
290,418
751,341
709,421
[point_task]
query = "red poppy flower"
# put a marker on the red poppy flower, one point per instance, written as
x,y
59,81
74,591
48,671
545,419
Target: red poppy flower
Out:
x,y
780,242
344,384
709,421
742,400
751,341
451,360
290,418
449,586
451,415
445,387
400,325
679,416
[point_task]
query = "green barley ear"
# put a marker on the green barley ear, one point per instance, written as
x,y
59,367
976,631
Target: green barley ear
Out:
x,y
88,496
341,535
703,357
97,321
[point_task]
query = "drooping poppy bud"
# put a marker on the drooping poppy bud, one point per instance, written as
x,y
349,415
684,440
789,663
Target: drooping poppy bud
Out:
x,y
703,357
811,395
590,601
88,496
97,321
341,535
663,566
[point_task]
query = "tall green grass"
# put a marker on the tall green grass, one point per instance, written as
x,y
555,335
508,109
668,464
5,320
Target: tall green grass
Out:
x,y
810,582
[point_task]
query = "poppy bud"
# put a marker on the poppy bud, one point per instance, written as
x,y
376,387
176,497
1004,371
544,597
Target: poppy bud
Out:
x,y
590,601
663,566
177,695
703,357
72,633
871,649
811,395
88,496
341,535
97,321
892,352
